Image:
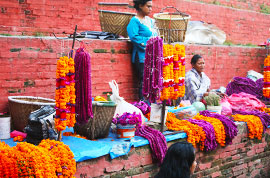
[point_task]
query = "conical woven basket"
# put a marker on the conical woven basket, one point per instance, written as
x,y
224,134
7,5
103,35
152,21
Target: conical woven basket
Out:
x,y
99,126
172,26
115,22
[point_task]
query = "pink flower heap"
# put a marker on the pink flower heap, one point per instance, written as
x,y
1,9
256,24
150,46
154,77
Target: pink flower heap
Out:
x,y
65,94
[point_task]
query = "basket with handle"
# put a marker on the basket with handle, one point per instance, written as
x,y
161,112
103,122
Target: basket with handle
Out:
x,y
115,22
172,26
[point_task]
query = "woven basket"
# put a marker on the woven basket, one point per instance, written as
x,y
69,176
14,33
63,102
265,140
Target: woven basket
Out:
x,y
20,108
115,22
172,26
99,126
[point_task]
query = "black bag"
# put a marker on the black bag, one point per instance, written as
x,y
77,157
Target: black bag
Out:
x,y
41,125
96,35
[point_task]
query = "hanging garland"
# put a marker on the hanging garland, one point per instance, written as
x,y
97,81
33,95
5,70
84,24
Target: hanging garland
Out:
x,y
83,86
195,134
65,94
255,126
266,77
157,141
152,80
173,72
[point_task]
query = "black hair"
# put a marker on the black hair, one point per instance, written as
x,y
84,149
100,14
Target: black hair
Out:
x,y
137,3
178,161
195,58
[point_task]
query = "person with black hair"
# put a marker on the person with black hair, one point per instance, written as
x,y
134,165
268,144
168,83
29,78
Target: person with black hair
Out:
x,y
197,84
179,161
140,29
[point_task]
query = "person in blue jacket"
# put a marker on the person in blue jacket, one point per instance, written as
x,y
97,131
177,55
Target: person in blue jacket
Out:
x,y
140,29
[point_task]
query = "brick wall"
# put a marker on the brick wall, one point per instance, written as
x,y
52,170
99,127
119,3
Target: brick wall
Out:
x,y
28,65
245,158
35,17
253,5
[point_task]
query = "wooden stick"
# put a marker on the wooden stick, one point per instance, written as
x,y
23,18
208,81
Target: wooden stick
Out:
x,y
60,136
163,115
74,36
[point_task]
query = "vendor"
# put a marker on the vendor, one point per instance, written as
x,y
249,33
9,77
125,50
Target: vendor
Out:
x,y
140,29
196,82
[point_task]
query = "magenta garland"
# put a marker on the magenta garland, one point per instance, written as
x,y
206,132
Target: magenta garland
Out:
x,y
210,141
152,80
83,86
229,126
157,142
127,118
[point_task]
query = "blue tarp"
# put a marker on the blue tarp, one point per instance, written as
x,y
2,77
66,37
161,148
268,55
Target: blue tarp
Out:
x,y
86,149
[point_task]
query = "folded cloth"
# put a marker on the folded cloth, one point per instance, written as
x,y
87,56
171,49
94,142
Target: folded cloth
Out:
x,y
16,133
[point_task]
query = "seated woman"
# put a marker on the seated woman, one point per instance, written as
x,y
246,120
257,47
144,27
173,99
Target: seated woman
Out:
x,y
179,161
140,29
197,84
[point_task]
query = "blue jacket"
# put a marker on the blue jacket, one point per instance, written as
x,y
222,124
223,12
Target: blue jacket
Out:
x,y
139,33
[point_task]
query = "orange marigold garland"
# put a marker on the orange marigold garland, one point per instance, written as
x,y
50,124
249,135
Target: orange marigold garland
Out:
x,y
65,93
49,159
195,134
173,72
266,77
63,158
255,126
218,127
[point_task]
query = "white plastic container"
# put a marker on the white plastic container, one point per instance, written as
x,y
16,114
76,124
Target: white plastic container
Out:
x,y
216,109
4,127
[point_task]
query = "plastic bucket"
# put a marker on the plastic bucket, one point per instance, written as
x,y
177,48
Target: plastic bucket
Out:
x,y
4,127
215,109
125,131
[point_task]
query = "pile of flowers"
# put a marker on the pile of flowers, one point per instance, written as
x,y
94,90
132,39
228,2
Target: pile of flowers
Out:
x,y
144,107
255,126
207,129
266,77
128,119
65,93
48,159
173,72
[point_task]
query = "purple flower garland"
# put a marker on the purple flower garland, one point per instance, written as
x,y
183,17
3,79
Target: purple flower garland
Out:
x,y
143,106
152,80
210,140
83,105
229,126
157,142
265,118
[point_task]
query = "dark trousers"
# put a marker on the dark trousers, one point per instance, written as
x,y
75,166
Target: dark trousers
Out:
x,y
139,69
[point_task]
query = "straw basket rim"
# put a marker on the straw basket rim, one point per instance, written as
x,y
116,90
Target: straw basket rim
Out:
x,y
116,12
16,99
156,16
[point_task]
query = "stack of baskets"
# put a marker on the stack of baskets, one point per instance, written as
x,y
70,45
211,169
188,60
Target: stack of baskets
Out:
x,y
115,22
172,26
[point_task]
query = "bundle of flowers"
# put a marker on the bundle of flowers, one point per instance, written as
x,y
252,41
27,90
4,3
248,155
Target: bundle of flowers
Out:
x,y
264,117
128,119
152,80
65,93
27,160
229,126
217,125
266,77
255,126
195,134
157,141
173,72
144,107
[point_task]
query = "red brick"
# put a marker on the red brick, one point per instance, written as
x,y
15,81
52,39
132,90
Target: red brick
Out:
x,y
204,166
